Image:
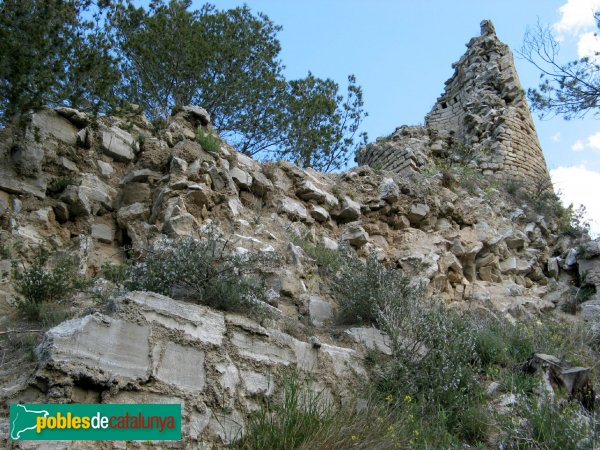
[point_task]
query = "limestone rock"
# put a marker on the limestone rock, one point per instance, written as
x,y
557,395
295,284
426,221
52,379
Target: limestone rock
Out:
x,y
417,213
355,235
134,212
320,311
319,213
389,190
99,348
196,114
118,144
180,225
241,178
48,124
350,210
103,233
371,338
292,208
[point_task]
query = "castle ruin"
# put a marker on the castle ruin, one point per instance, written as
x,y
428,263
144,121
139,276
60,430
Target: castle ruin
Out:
x,y
484,108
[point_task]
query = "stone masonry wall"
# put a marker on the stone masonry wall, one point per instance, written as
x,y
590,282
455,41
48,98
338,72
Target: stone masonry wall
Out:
x,y
483,106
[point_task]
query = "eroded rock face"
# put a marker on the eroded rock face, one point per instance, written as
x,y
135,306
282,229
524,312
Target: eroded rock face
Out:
x,y
191,352
466,249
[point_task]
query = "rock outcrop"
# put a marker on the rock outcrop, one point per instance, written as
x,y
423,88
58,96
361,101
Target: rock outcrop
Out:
x,y
103,189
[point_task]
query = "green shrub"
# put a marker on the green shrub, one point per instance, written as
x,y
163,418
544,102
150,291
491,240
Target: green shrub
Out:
x,y
43,287
288,424
57,185
207,141
205,271
117,273
545,424
328,261
364,289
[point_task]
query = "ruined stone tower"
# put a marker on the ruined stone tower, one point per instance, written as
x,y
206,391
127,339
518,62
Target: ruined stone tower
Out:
x,y
484,107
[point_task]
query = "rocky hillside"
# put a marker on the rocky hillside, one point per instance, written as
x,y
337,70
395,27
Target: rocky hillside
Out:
x,y
101,190
432,300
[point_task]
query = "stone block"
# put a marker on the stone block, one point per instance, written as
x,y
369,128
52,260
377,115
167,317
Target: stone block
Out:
x,y
417,213
319,310
194,321
181,367
103,232
118,144
257,384
98,347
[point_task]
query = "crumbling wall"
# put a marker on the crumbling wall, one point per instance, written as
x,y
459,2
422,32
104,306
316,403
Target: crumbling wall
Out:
x,y
483,106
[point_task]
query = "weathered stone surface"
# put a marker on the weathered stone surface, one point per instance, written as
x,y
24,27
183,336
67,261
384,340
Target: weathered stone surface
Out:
x,y
241,178
589,271
262,350
319,213
106,169
103,232
388,190
134,212
77,118
292,208
195,321
320,311
371,338
553,267
140,176
260,183
355,235
90,197
350,210
180,225
118,144
135,192
181,367
27,159
196,113
12,183
345,360
417,213
257,384
309,191
99,347
48,123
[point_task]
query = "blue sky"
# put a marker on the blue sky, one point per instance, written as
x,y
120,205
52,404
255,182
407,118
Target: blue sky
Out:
x,y
401,53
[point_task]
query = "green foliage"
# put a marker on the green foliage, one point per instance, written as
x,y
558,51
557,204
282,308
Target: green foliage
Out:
x,y
205,271
545,424
43,287
53,52
288,424
57,185
328,261
207,141
203,56
166,55
323,125
364,289
117,273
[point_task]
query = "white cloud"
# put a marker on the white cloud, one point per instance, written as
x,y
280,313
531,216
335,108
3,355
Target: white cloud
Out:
x,y
588,46
578,146
576,16
592,142
579,186
556,137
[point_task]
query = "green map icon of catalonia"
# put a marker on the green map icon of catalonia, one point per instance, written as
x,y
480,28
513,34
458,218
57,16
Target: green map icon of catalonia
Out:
x,y
23,420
